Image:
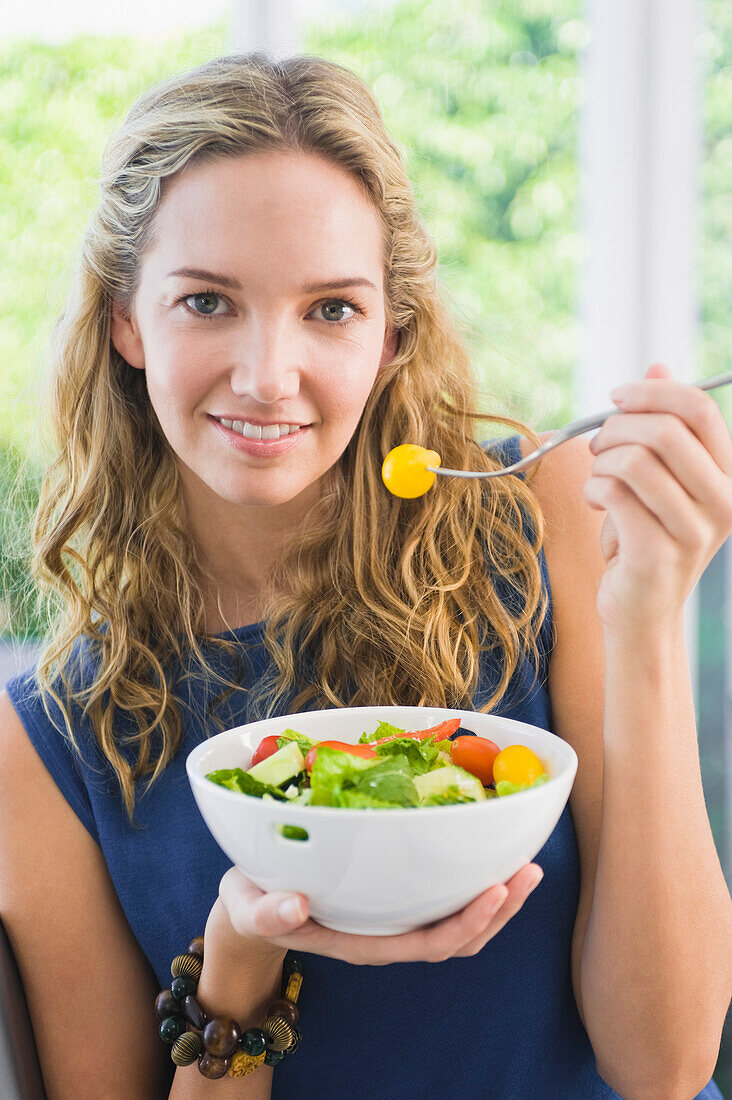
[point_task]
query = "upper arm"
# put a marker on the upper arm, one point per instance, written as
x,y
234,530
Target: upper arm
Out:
x,y
577,665
89,987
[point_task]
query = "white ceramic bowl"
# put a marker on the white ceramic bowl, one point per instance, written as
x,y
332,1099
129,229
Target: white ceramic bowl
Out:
x,y
380,871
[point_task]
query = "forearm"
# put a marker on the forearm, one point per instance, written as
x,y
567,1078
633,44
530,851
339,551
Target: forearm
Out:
x,y
655,966
228,987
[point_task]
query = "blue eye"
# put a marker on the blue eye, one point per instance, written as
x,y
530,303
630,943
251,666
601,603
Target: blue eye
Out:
x,y
202,294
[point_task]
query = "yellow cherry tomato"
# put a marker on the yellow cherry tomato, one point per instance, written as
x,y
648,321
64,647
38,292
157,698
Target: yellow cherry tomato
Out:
x,y
404,470
518,765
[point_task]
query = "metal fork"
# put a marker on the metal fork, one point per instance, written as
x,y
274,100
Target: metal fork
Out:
x,y
561,435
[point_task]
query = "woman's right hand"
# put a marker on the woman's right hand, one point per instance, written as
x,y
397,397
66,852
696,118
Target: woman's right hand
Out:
x,y
273,923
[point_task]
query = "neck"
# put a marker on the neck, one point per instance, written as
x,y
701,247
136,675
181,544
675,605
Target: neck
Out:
x,y
238,545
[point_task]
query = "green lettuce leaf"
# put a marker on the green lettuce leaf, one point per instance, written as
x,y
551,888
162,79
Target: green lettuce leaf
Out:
x,y
293,832
504,787
448,797
388,781
421,755
358,800
338,773
237,780
384,729
332,771
303,743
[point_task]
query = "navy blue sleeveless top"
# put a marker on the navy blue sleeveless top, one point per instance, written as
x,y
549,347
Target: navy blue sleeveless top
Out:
x,y
502,1024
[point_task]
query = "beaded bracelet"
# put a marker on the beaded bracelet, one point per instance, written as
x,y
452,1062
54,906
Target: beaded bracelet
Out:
x,y
218,1044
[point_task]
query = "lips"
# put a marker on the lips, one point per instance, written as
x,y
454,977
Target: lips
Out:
x,y
250,430
261,446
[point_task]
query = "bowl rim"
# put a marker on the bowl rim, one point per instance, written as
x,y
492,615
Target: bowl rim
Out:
x,y
278,807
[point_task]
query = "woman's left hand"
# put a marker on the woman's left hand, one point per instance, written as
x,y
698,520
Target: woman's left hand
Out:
x,y
663,474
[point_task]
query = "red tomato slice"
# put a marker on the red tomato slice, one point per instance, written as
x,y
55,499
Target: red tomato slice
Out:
x,y
475,755
440,733
343,746
266,747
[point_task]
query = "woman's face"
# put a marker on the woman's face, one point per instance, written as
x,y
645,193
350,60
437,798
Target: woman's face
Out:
x,y
278,338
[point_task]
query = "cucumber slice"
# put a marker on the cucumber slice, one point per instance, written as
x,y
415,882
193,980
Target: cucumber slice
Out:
x,y
441,780
284,764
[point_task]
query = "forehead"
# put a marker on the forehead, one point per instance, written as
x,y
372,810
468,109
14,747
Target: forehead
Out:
x,y
268,210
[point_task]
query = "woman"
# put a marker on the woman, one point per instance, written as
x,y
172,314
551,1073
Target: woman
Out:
x,y
255,323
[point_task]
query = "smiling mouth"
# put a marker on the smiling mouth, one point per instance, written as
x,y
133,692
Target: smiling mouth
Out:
x,y
258,431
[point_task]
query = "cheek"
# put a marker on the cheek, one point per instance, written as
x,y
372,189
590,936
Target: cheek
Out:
x,y
344,389
175,387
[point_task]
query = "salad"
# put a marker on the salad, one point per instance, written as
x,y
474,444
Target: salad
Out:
x,y
388,769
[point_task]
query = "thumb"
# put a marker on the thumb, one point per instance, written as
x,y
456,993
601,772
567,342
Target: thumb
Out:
x,y
252,912
658,370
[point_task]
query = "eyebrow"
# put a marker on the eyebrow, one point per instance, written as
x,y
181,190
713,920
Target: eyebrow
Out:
x,y
234,284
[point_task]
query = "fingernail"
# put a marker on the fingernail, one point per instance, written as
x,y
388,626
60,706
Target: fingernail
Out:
x,y
499,897
536,880
620,393
290,910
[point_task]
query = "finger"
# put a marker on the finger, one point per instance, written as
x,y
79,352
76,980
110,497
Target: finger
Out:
x,y
517,890
655,487
677,447
658,370
692,405
637,528
434,943
253,912
520,886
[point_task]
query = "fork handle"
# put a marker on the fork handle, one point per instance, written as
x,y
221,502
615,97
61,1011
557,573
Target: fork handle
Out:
x,y
561,435
587,423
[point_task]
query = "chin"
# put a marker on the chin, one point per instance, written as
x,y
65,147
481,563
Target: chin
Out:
x,y
268,496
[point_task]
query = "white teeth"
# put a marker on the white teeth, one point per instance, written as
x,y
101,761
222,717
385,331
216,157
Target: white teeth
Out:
x,y
256,431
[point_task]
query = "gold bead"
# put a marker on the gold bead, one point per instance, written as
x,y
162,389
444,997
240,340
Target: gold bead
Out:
x,y
186,1049
243,1064
186,966
280,1034
294,982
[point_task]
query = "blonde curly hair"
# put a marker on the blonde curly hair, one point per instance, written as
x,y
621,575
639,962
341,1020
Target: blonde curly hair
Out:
x,y
383,601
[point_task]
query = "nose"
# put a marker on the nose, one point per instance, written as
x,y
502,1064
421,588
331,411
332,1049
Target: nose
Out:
x,y
265,368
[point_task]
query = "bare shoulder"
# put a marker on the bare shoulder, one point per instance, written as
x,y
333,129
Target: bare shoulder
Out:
x,y
577,667
558,481
77,956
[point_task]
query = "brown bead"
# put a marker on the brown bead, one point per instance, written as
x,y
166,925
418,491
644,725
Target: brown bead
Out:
x,y
286,1009
212,1067
186,966
195,947
193,1012
220,1036
279,1033
166,1005
186,1049
295,1042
